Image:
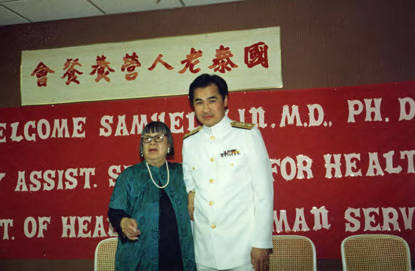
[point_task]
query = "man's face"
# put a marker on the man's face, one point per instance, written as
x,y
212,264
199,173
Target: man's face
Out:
x,y
208,105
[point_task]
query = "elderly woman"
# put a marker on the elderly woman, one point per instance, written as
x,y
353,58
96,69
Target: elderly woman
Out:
x,y
148,208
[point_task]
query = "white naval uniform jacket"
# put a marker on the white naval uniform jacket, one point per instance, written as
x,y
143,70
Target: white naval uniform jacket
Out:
x,y
230,171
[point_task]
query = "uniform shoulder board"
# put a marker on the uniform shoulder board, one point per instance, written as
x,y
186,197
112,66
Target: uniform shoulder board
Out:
x,y
194,131
242,125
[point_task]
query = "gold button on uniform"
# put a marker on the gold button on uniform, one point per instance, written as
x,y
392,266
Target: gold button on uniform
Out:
x,y
212,137
211,180
212,159
213,226
210,203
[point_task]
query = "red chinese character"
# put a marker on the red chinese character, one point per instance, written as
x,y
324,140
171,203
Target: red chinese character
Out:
x,y
71,71
191,61
102,69
158,59
130,63
222,61
256,54
41,73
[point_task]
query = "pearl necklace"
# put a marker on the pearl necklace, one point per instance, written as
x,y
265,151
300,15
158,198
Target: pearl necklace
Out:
x,y
151,176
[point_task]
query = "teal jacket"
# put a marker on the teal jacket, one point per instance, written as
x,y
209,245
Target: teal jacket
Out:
x,y
136,195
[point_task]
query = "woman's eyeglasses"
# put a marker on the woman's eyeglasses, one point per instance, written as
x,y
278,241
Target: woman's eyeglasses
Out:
x,y
156,138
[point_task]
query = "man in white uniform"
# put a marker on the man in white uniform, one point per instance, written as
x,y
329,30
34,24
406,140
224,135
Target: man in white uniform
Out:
x,y
229,180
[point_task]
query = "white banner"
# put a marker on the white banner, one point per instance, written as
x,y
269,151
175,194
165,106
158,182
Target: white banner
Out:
x,y
247,59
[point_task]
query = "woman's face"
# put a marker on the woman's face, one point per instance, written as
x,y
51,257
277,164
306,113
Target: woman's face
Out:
x,y
155,148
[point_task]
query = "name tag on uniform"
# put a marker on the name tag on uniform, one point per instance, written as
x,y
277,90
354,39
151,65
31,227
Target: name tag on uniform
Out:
x,y
230,153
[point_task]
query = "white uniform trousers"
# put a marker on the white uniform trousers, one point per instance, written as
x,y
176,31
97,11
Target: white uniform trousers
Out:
x,y
246,267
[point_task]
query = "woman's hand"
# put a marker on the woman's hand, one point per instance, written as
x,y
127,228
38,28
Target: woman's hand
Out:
x,y
130,228
191,204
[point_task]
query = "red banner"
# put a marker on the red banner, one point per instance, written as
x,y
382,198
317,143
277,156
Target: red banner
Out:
x,y
343,164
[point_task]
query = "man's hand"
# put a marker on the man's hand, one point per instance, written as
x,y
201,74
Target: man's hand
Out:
x,y
130,228
260,258
191,204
